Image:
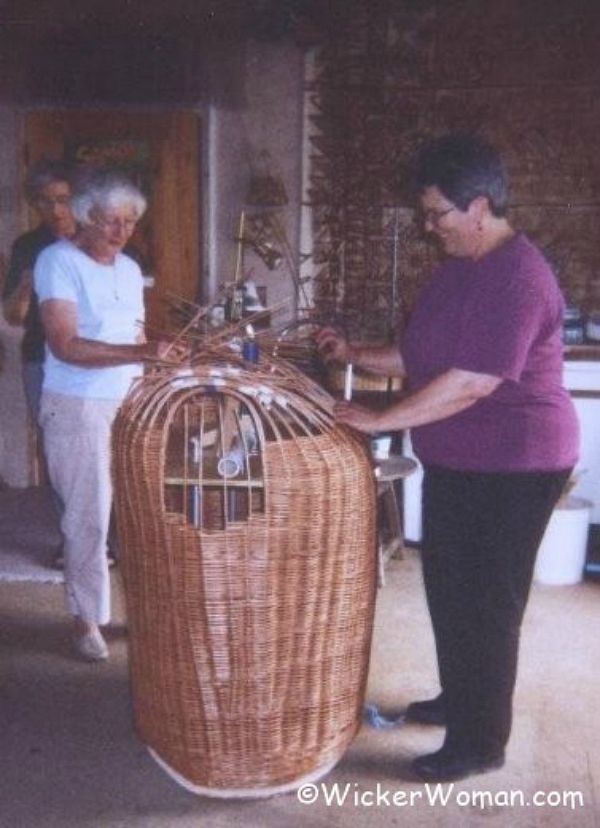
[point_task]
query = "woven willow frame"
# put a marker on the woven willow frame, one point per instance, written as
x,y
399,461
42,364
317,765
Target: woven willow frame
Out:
x,y
250,628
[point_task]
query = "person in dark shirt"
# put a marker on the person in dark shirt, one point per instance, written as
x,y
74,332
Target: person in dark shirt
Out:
x,y
48,190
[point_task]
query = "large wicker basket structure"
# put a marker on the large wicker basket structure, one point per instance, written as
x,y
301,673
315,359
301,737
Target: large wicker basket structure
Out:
x,y
247,525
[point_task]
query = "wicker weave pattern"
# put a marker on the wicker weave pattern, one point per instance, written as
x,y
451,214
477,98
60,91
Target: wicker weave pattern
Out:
x,y
249,643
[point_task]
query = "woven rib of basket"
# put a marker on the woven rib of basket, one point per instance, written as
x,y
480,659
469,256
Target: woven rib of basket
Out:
x,y
250,589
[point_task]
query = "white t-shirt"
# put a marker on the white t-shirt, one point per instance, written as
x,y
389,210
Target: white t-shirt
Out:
x,y
110,308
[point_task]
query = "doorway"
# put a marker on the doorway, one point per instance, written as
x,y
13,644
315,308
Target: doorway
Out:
x,y
162,151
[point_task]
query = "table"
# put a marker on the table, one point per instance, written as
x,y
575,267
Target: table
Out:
x,y
391,536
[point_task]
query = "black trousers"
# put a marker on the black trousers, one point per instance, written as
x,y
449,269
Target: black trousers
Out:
x,y
480,537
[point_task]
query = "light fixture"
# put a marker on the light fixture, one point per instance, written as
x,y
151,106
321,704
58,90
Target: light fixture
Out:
x,y
265,188
265,250
255,232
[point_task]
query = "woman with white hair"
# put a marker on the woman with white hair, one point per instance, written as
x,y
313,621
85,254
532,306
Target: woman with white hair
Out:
x,y
91,302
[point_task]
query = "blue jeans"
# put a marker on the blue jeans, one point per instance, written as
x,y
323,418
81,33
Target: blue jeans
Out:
x,y
32,374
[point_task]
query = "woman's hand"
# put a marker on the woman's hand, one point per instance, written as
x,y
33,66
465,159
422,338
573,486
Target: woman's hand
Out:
x,y
357,416
383,360
165,350
333,345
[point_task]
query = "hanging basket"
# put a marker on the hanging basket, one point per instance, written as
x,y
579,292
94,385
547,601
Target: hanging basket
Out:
x,y
266,191
247,524
266,187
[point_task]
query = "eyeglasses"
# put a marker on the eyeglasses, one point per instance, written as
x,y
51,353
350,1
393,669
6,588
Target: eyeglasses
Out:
x,y
48,203
116,224
435,216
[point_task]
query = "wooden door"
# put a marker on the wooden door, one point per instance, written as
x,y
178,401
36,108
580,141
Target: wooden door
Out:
x,y
162,149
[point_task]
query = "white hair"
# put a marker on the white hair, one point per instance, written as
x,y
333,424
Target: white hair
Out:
x,y
106,193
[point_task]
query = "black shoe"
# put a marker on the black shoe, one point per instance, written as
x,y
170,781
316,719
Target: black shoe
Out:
x,y
430,712
446,766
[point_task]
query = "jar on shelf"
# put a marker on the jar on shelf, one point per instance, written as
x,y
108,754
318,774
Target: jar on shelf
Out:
x,y
573,326
234,307
592,325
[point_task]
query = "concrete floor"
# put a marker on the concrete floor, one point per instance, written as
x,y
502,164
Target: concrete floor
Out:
x,y
69,755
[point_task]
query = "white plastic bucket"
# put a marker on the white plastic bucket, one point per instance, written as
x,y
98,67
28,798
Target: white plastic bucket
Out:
x,y
562,552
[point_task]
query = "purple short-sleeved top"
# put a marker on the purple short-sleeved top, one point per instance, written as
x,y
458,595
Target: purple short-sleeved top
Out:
x,y
500,315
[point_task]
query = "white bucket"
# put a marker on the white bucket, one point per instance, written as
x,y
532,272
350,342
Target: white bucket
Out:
x,y
562,552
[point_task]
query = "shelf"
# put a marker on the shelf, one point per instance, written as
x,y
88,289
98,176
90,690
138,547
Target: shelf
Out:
x,y
588,351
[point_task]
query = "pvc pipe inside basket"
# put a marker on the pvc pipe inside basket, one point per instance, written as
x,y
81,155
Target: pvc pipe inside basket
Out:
x,y
348,382
232,463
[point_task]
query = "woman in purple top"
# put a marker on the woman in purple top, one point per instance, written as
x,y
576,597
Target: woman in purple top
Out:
x,y
495,430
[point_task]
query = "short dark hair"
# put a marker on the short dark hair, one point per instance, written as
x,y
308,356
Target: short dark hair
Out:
x,y
43,173
463,166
